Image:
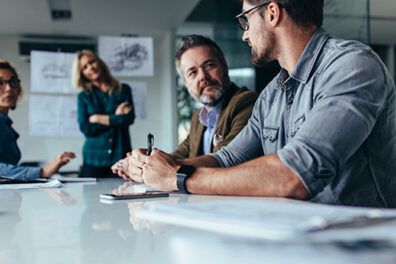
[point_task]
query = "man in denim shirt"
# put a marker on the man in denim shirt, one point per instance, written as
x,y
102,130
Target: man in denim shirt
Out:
x,y
323,130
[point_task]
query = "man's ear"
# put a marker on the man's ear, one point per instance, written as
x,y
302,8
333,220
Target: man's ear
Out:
x,y
274,13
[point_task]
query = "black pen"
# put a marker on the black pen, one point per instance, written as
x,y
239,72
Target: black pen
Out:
x,y
150,143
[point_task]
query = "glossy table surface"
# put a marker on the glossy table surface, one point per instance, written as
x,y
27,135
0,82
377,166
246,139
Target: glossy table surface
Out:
x,y
71,225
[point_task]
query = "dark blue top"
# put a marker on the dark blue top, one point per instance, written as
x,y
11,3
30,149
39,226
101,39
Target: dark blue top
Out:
x,y
10,154
105,145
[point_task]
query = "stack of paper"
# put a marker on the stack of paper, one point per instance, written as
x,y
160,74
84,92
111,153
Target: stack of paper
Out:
x,y
271,220
54,183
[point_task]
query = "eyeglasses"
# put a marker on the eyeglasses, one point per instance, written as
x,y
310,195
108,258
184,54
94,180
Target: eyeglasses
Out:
x,y
13,82
242,19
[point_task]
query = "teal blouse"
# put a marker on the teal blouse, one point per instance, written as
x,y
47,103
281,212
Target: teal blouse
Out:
x,y
105,145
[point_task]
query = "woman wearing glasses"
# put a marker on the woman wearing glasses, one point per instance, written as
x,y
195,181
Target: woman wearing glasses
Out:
x,y
10,93
105,112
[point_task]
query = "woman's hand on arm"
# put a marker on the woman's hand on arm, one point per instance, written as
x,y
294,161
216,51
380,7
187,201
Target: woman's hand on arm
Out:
x,y
100,119
54,165
123,108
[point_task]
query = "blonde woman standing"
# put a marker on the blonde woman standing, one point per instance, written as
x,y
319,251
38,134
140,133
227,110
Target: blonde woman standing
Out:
x,y
105,112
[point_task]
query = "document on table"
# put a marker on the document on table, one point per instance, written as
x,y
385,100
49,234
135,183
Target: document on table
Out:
x,y
54,183
73,179
276,220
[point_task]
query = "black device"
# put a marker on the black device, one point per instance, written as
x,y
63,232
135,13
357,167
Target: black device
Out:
x,y
126,196
150,143
182,175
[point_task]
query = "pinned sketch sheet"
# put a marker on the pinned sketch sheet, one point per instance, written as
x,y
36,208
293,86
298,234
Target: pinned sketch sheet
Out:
x,y
276,220
51,72
127,56
51,115
139,94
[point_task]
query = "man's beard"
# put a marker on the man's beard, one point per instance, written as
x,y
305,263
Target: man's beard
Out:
x,y
219,93
266,55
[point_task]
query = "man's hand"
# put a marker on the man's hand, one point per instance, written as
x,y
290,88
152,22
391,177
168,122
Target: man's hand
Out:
x,y
121,168
159,171
123,108
136,160
54,165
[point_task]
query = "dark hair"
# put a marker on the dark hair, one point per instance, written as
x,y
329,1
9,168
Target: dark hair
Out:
x,y
303,12
192,41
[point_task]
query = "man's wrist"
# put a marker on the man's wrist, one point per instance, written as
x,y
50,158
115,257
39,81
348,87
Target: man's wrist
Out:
x,y
182,174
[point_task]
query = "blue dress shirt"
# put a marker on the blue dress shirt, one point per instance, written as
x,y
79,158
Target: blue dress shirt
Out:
x,y
209,120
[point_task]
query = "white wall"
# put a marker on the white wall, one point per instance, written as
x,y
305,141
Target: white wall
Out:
x,y
161,107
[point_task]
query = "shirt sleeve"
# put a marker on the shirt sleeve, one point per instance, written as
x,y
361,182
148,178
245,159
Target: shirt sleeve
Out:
x,y
350,94
87,128
245,146
15,172
124,120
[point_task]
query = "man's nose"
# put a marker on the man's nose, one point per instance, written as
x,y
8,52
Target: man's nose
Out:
x,y
202,75
245,36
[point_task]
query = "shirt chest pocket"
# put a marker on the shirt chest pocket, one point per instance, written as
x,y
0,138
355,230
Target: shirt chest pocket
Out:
x,y
270,139
297,124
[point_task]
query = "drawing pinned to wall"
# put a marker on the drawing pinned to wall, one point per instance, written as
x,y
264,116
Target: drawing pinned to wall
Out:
x,y
53,115
139,94
51,72
127,56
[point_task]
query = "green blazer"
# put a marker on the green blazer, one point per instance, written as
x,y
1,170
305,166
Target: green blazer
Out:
x,y
235,113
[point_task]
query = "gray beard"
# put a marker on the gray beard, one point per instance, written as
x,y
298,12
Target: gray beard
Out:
x,y
205,100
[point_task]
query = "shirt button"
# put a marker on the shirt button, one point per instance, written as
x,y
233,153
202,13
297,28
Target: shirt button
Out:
x,y
109,151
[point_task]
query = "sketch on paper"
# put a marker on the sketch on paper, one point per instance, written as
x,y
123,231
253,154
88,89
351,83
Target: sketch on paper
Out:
x,y
139,94
126,56
51,72
53,115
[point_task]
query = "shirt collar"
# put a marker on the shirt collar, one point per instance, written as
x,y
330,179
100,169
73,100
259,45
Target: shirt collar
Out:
x,y
307,59
210,118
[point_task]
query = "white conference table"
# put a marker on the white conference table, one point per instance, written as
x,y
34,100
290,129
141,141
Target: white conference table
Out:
x,y
71,225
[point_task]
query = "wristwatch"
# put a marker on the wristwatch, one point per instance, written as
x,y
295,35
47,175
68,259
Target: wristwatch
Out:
x,y
182,175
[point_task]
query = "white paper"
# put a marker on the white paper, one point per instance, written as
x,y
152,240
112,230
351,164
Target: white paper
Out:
x,y
268,220
51,72
73,179
139,94
49,184
51,115
127,56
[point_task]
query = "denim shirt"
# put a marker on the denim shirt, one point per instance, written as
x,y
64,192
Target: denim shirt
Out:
x,y
209,120
10,154
332,122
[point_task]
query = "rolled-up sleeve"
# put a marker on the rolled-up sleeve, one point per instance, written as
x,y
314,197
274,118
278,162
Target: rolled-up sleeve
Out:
x,y
347,102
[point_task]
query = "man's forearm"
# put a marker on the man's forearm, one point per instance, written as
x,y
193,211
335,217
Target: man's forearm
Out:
x,y
264,176
201,161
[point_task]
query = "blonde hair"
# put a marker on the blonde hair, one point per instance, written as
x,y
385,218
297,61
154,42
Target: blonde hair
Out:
x,y
79,81
6,65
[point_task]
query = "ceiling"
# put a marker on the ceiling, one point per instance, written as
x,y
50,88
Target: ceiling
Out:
x,y
137,17
94,17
